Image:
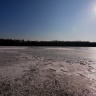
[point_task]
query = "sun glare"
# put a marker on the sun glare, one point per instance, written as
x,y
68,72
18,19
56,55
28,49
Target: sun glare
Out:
x,y
94,9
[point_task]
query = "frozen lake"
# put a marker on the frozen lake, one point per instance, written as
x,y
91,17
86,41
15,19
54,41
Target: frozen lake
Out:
x,y
72,53
71,69
87,54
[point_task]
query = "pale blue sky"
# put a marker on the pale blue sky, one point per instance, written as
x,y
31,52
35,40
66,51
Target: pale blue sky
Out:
x,y
68,20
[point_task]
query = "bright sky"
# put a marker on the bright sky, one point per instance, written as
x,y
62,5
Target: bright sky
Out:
x,y
68,20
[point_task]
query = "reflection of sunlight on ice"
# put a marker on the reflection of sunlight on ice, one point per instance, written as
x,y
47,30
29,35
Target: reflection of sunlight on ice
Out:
x,y
58,48
92,53
92,48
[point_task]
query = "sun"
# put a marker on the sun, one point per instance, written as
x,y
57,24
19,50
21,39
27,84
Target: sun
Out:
x,y
94,9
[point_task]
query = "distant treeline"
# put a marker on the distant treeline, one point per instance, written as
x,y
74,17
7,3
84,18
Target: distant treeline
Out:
x,y
13,42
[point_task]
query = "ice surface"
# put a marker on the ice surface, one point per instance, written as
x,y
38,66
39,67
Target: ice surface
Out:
x,y
47,71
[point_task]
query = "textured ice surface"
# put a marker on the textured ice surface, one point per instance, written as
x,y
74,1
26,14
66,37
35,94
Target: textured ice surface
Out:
x,y
47,71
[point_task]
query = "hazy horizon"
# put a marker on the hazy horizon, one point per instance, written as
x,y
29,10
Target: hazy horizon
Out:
x,y
47,20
